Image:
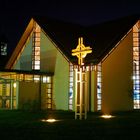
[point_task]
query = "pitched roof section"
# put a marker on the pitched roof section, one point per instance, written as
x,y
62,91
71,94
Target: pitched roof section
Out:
x,y
63,34
101,38
104,37
20,45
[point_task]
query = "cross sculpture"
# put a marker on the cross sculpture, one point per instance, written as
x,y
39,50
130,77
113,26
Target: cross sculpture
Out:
x,y
80,87
81,51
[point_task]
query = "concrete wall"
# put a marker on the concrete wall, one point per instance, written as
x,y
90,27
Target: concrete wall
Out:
x,y
61,83
28,93
92,90
53,61
117,71
48,54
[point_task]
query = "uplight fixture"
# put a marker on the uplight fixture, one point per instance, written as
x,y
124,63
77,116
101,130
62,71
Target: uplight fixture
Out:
x,y
107,116
49,120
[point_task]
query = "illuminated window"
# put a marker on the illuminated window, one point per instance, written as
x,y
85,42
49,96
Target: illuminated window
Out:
x,y
71,72
0,103
36,48
99,86
36,78
136,68
7,90
28,77
0,89
8,95
48,81
14,104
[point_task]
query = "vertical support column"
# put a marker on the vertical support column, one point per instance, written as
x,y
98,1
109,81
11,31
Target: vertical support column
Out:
x,y
80,78
17,94
80,94
4,94
11,94
85,94
40,81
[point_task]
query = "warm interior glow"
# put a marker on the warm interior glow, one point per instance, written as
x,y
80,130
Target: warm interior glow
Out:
x,y
106,116
14,85
36,47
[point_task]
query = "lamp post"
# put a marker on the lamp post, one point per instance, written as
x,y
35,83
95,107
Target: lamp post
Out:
x,y
80,80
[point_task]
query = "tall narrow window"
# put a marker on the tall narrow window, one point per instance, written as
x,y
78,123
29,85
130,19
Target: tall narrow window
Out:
x,y
99,86
136,68
48,81
71,86
36,48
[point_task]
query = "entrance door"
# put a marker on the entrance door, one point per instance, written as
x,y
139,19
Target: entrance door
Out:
x,y
5,95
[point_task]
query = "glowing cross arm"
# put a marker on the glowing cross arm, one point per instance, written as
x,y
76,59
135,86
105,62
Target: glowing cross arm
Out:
x,y
81,51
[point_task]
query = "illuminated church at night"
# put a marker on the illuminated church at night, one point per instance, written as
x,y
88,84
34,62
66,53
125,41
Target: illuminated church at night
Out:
x,y
39,73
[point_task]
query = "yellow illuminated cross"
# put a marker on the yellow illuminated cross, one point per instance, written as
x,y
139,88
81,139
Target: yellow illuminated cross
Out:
x,y
81,51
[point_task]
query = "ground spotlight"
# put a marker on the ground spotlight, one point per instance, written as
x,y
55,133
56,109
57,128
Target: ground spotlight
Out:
x,y
107,116
49,120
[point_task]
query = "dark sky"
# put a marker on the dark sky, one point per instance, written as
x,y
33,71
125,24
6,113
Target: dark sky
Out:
x,y
84,11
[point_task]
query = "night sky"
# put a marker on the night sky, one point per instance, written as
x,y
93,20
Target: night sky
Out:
x,y
83,12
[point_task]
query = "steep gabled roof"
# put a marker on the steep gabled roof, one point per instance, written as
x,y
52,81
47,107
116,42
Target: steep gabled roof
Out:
x,y
20,45
64,34
101,38
105,36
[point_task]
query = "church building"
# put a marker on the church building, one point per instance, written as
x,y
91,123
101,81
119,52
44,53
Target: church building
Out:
x,y
39,73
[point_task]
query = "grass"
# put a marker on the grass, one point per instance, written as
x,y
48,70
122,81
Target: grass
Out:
x,y
19,125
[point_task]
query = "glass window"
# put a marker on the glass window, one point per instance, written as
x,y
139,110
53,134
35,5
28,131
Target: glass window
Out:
x,y
36,47
99,86
71,80
28,77
14,104
7,89
0,89
136,61
36,78
48,80
7,103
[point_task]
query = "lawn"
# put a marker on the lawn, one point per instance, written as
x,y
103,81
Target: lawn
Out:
x,y
24,125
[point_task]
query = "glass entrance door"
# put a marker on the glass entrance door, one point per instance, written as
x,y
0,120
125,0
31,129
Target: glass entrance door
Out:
x,y
7,95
